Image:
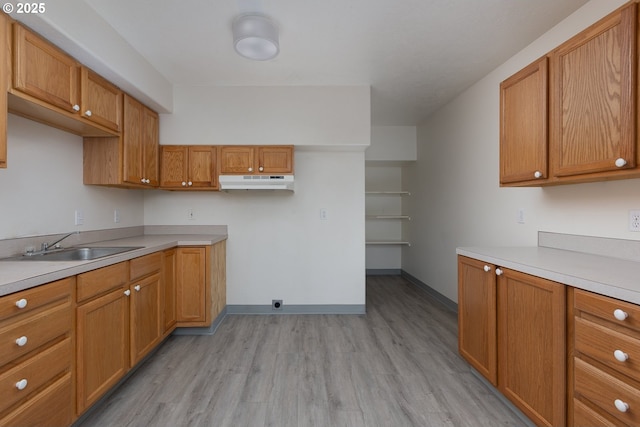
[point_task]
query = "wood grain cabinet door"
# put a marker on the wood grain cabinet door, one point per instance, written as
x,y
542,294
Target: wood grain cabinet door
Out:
x,y
594,100
236,160
132,141
102,345
531,346
477,316
44,71
524,125
174,166
275,159
5,82
169,286
202,166
150,146
101,101
145,315
191,284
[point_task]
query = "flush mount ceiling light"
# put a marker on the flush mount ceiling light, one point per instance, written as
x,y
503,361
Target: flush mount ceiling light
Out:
x,y
255,37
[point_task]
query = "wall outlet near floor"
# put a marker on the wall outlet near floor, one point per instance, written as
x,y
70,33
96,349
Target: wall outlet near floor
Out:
x,y
276,304
634,220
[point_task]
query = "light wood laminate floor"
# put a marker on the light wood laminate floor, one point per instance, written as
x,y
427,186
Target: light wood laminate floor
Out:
x,y
397,365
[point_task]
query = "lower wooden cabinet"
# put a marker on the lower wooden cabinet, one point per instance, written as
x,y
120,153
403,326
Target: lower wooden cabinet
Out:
x,y
36,356
117,328
512,329
200,284
169,286
604,363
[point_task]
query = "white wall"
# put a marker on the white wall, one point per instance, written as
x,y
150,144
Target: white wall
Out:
x,y
456,199
42,186
394,143
278,247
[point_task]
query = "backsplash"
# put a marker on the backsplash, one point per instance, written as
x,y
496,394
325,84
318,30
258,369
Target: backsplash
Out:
x,y
605,246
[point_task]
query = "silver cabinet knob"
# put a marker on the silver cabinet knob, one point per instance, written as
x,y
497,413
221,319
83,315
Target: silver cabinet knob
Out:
x,y
487,268
499,272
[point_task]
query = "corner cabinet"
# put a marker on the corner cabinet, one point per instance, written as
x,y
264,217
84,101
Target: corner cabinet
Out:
x,y
591,109
512,329
130,160
5,82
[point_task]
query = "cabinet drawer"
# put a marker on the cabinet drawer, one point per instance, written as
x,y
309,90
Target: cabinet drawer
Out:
x,y
145,265
101,280
35,297
583,416
604,307
37,371
602,389
51,407
600,343
38,330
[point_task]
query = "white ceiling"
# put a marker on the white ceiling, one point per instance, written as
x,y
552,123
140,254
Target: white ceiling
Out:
x,y
415,54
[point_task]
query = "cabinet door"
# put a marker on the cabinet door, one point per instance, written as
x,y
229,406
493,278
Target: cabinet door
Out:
x,y
202,167
191,300
150,144
275,159
102,345
145,316
43,71
477,316
174,166
132,141
531,346
169,277
236,160
523,124
101,101
5,77
594,98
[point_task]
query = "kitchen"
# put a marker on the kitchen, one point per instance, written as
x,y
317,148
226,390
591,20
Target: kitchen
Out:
x,y
455,198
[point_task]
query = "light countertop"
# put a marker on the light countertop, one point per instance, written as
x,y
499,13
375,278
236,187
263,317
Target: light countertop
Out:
x,y
614,277
19,275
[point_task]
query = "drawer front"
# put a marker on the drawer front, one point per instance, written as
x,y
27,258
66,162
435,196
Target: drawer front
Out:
x,y
603,390
101,280
51,408
37,371
35,297
604,307
583,416
38,330
145,265
600,343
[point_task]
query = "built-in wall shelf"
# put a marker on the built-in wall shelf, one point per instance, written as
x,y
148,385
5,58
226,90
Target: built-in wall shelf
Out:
x,y
387,243
407,217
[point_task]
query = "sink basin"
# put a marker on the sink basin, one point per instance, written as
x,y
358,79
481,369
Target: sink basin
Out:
x,y
75,254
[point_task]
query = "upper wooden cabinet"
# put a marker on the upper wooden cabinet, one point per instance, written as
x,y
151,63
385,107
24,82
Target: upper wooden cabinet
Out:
x,y
591,109
5,81
101,101
140,144
260,160
594,97
188,167
524,125
52,81
130,160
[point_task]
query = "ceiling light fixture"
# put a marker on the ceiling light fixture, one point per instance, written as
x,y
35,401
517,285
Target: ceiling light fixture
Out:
x,y
255,37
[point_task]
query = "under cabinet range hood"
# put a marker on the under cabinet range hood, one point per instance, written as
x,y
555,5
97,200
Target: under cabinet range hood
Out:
x,y
256,182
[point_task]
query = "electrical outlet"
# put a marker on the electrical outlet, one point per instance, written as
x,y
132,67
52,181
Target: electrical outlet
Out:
x,y
324,214
190,215
116,215
520,216
79,217
276,304
634,220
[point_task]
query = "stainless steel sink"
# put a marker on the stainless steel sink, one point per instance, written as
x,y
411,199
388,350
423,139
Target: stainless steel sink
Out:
x,y
74,254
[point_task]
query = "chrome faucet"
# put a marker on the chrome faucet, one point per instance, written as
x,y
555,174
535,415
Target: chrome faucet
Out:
x,y
45,246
